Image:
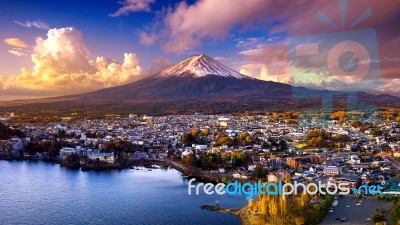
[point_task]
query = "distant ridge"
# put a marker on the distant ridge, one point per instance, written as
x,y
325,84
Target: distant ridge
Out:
x,y
198,83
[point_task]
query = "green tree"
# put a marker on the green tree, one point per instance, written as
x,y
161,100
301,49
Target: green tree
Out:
x,y
395,214
260,171
188,138
378,216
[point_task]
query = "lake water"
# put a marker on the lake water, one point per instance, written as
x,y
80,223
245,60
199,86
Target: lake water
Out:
x,y
44,193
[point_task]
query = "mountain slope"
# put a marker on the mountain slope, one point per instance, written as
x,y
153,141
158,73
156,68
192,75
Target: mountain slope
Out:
x,y
199,83
196,77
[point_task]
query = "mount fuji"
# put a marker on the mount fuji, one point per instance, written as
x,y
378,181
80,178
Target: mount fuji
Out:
x,y
200,66
198,77
198,83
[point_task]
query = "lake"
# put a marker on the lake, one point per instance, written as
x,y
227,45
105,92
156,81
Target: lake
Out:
x,y
45,193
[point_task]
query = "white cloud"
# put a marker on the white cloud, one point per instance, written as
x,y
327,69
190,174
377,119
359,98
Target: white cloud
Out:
x,y
187,25
34,24
391,86
158,64
147,39
252,52
17,52
263,72
133,6
62,65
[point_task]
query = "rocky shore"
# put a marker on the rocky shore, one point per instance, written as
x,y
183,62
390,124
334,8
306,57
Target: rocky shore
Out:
x,y
222,209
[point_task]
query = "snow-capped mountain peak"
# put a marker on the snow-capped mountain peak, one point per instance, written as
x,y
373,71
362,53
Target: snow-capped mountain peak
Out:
x,y
199,66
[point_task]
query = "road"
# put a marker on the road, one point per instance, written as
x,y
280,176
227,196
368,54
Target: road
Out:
x,y
178,165
394,162
356,215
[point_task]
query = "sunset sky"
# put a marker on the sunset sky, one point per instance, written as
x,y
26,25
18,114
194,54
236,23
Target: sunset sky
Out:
x,y
51,48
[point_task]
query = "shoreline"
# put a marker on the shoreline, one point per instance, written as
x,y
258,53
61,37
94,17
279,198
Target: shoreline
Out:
x,y
147,163
239,212
120,190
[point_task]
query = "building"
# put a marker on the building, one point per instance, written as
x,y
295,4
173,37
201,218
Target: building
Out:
x,y
67,151
132,116
302,161
242,175
332,171
199,147
276,176
354,159
140,155
352,180
102,156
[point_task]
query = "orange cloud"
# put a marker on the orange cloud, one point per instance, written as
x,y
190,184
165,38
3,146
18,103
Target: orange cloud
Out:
x,y
16,42
62,65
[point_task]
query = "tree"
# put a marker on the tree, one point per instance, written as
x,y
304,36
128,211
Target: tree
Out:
x,y
260,171
283,207
223,139
109,147
304,199
6,132
248,139
264,203
282,145
251,204
288,178
342,119
355,123
188,138
378,216
195,132
239,158
395,214
338,115
273,208
376,115
299,220
73,158
206,132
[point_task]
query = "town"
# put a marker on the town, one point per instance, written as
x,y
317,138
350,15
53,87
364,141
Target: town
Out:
x,y
220,148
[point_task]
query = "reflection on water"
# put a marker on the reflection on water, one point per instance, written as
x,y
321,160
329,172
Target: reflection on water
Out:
x,y
43,193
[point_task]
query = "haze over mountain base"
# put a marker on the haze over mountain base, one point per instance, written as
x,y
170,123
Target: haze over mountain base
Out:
x,y
199,83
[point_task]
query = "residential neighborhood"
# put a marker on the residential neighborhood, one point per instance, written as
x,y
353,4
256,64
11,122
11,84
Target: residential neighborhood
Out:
x,y
232,146
270,147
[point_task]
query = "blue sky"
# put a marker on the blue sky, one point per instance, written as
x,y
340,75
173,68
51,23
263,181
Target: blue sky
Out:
x,y
110,36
